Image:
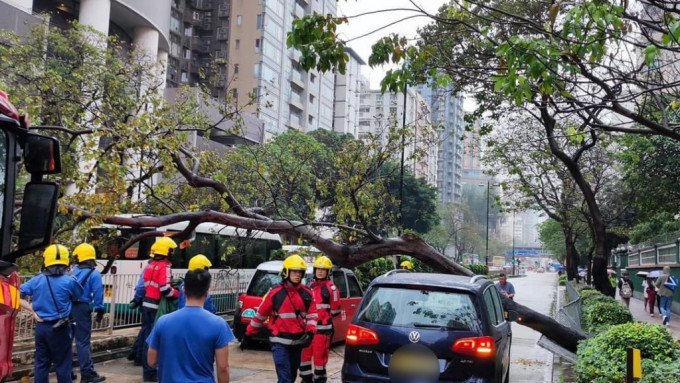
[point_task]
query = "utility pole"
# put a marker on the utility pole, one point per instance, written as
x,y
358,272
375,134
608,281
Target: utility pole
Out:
x,y
488,185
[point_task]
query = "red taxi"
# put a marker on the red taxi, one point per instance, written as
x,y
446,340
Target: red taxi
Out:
x,y
267,276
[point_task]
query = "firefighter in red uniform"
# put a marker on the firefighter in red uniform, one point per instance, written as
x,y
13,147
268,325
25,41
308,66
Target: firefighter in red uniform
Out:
x,y
292,318
158,284
327,300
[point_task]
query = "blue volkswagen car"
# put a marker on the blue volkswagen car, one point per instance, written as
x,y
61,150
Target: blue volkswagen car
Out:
x,y
417,327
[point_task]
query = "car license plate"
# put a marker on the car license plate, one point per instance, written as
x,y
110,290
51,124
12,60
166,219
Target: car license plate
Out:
x,y
414,363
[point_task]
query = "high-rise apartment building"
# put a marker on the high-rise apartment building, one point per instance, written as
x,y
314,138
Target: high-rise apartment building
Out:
x,y
378,113
348,87
447,116
472,155
260,64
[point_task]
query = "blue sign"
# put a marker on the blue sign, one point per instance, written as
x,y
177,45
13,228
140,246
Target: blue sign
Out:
x,y
524,253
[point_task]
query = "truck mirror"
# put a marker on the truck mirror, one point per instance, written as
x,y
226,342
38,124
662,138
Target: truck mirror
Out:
x,y
42,154
37,215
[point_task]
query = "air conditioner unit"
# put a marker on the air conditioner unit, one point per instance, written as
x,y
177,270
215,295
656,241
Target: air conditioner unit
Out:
x,y
221,54
197,15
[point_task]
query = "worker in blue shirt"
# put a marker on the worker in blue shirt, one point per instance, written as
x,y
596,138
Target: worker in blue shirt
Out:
x,y
93,293
197,262
52,292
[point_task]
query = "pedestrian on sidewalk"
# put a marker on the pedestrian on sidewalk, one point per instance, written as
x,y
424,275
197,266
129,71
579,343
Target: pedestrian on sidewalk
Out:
x,y
184,344
53,291
625,286
650,292
645,297
666,294
93,293
292,316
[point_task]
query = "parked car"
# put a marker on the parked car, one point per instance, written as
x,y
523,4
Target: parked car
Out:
x,y
540,270
267,276
443,327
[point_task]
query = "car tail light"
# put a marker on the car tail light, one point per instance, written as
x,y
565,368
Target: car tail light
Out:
x,y
479,346
358,336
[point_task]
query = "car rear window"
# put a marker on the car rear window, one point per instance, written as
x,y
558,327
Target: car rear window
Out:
x,y
263,281
413,307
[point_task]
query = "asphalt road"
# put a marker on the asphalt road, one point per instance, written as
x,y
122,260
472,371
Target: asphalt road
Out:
x,y
529,362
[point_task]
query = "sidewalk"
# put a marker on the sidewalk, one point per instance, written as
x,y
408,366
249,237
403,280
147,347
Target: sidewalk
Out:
x,y
637,308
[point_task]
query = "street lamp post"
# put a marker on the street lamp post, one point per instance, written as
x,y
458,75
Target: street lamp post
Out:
x,y
513,243
486,254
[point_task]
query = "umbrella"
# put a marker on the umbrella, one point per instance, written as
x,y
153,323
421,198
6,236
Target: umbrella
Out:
x,y
611,271
641,274
654,274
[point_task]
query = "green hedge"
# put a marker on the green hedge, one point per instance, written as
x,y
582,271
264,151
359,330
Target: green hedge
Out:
x,y
562,280
603,358
600,315
478,269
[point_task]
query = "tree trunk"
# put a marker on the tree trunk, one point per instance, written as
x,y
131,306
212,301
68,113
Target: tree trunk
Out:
x,y
562,335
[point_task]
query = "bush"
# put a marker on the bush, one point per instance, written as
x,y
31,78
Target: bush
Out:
x,y
603,358
600,315
368,271
589,293
562,280
478,269
660,372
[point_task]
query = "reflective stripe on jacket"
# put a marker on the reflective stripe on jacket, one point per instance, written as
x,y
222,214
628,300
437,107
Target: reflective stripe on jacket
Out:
x,y
291,314
327,300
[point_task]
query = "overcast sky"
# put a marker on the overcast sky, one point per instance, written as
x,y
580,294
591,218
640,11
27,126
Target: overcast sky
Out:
x,y
365,24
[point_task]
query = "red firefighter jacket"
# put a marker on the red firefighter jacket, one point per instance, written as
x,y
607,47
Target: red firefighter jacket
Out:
x,y
291,312
327,299
158,283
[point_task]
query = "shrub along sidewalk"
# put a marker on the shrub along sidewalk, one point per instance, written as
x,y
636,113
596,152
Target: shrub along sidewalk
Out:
x,y
602,358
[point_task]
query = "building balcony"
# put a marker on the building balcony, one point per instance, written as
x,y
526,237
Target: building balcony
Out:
x,y
191,17
223,10
295,100
202,4
222,33
200,44
297,78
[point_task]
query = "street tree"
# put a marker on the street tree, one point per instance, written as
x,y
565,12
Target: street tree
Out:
x,y
126,148
598,63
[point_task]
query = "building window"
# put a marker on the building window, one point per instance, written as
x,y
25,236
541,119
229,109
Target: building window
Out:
x,y
256,92
185,76
239,20
258,45
237,44
310,120
235,68
260,21
312,78
234,94
311,99
256,70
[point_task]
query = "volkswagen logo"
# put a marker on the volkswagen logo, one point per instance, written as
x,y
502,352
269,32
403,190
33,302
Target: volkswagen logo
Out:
x,y
414,337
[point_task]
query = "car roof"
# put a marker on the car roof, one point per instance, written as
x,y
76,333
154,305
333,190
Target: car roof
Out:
x,y
398,277
276,266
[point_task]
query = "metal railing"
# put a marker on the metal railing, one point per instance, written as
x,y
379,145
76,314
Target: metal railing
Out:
x,y
570,314
119,290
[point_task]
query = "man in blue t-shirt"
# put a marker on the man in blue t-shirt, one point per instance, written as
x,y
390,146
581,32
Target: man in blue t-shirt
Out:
x,y
504,287
184,344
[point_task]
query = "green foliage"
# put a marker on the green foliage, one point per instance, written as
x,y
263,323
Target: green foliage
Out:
x,y
660,372
562,280
370,270
478,269
603,358
599,313
315,36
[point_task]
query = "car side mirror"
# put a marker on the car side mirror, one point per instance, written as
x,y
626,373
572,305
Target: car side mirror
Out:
x,y
512,316
42,154
37,215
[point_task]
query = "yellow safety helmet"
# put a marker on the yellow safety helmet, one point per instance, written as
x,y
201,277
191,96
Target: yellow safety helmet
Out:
x,y
84,252
406,265
163,246
293,262
323,262
199,262
56,255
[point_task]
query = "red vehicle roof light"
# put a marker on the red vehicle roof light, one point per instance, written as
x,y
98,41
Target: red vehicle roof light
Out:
x,y
479,346
360,336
